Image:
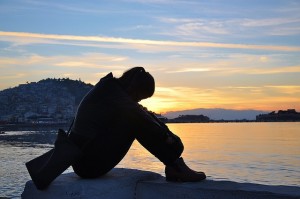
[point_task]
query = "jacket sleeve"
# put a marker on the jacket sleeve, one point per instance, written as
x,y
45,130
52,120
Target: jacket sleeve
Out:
x,y
153,134
139,118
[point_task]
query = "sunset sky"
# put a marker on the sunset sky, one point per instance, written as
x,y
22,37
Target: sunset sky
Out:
x,y
232,54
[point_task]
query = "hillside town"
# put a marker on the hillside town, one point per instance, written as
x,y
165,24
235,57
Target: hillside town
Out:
x,y
46,101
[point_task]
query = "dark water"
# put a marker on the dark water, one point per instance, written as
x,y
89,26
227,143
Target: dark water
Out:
x,y
264,153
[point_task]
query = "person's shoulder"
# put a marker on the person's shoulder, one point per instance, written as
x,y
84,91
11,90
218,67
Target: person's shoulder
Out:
x,y
107,77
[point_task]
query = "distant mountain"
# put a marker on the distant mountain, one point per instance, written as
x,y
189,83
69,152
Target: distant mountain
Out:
x,y
218,113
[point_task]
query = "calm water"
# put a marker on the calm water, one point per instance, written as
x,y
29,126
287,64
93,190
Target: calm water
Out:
x,y
265,153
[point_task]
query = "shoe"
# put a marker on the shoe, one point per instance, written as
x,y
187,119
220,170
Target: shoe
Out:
x,y
180,172
45,168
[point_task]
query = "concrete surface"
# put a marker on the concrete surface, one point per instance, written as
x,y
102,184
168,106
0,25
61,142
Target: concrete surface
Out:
x,y
130,183
119,183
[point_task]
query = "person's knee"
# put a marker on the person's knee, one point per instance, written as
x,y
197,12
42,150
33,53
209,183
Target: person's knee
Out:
x,y
176,144
179,147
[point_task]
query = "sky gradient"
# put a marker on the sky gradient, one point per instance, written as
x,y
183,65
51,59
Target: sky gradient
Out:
x,y
203,54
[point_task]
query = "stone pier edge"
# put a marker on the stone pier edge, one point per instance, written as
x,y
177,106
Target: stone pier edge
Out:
x,y
131,183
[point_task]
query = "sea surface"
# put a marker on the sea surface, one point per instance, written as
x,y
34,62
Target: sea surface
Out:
x,y
264,153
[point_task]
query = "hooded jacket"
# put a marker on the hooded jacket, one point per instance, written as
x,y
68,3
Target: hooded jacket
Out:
x,y
110,120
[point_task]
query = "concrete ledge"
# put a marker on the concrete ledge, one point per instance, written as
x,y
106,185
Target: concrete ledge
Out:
x,y
119,183
130,183
213,189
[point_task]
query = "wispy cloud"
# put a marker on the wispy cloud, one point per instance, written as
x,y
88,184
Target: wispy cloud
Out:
x,y
286,89
239,97
87,60
185,70
41,38
226,70
277,70
165,98
234,28
13,76
268,22
66,7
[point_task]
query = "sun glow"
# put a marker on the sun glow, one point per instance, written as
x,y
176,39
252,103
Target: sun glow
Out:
x,y
239,98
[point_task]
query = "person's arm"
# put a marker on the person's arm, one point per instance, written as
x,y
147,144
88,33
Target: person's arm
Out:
x,y
153,134
162,124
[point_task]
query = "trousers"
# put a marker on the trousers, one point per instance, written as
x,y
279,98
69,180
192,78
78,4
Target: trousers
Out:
x,y
104,151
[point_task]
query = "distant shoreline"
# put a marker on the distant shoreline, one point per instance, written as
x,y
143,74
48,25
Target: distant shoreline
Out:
x,y
65,126
31,126
233,121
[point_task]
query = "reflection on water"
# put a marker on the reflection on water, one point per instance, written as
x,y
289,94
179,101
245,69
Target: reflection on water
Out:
x,y
265,153
13,174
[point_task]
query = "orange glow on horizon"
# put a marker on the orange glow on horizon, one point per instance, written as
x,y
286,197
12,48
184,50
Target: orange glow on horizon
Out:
x,y
167,100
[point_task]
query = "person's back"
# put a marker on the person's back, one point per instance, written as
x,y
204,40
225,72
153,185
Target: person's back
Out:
x,y
98,108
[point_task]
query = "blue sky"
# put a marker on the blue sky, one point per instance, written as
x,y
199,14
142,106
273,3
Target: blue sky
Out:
x,y
203,54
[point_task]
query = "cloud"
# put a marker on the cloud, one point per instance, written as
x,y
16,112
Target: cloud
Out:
x,y
185,70
71,7
241,70
286,89
86,60
13,76
267,22
237,97
283,69
32,67
29,38
166,98
234,28
235,64
196,28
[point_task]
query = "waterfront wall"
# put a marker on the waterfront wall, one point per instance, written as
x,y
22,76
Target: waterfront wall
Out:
x,y
130,183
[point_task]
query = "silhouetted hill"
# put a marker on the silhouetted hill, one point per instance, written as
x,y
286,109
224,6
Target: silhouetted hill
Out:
x,y
76,88
189,119
50,99
289,115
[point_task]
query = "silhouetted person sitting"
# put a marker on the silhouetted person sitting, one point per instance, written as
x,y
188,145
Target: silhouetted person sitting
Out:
x,y
107,122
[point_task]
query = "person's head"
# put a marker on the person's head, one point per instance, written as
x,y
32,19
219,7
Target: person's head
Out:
x,y
138,83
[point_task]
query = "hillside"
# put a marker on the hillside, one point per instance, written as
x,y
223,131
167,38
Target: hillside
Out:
x,y
51,100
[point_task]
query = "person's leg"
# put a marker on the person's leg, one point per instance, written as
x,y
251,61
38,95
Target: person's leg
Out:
x,y
167,147
101,153
45,168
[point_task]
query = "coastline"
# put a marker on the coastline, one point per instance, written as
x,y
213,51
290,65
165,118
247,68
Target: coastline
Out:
x,y
65,126
32,126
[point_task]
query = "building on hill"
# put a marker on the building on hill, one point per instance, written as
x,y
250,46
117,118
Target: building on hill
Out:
x,y
289,115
